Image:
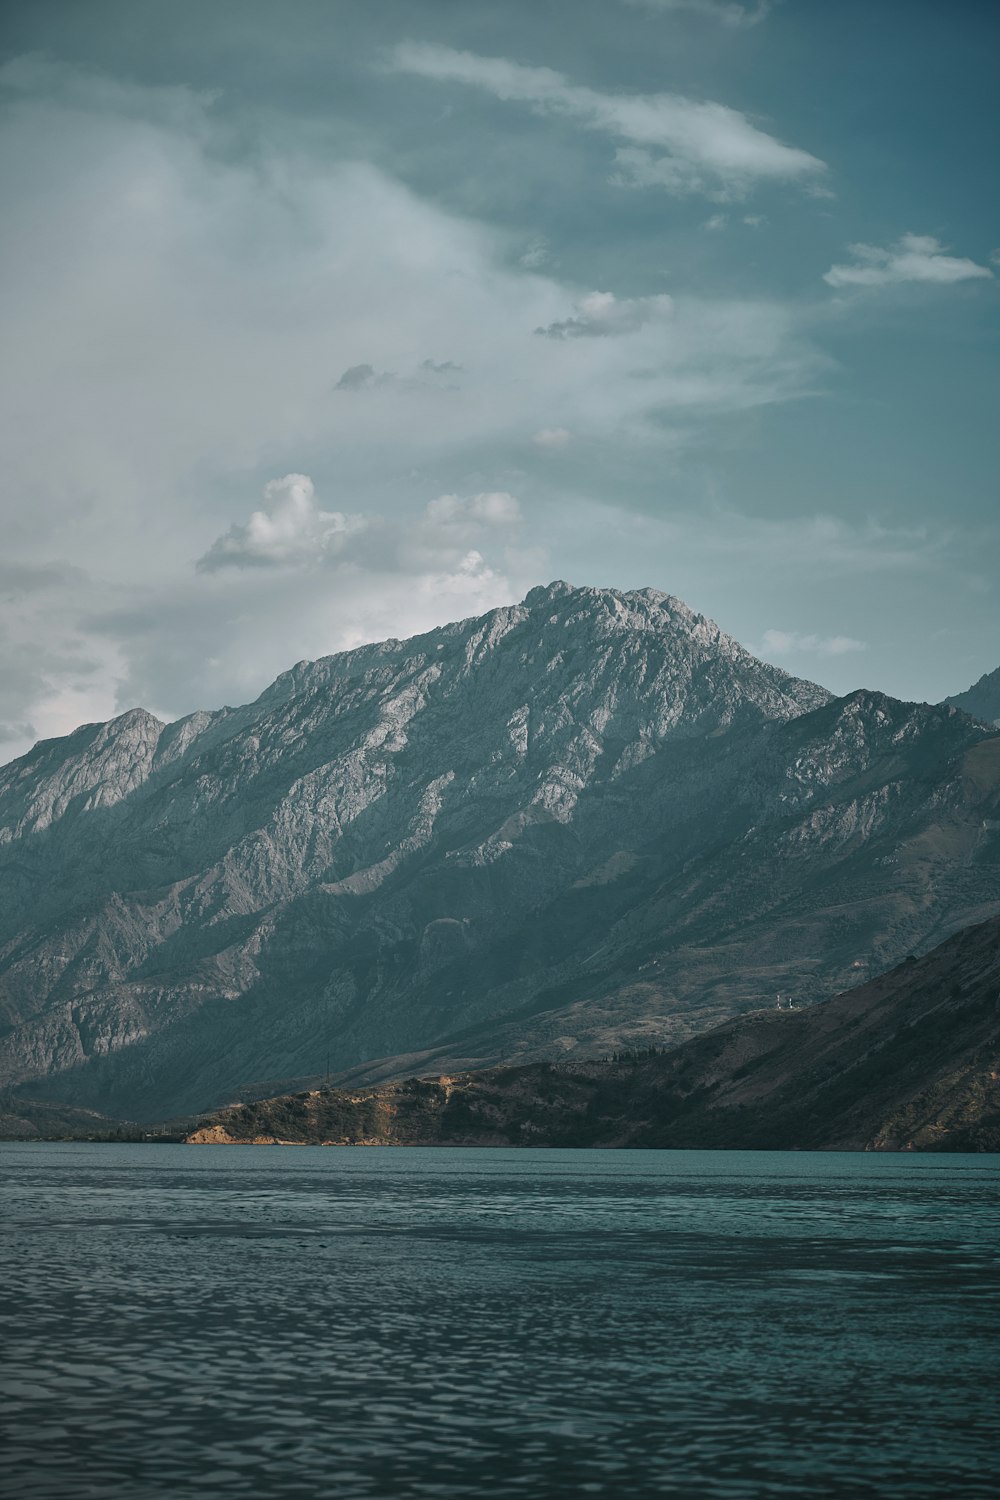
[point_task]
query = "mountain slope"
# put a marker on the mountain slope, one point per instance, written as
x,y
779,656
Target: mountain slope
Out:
x,y
909,1061
982,700
583,820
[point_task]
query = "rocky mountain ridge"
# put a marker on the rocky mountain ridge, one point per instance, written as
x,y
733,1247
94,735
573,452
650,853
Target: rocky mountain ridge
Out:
x,y
982,699
587,820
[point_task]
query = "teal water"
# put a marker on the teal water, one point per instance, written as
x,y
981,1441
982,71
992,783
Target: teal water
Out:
x,y
266,1322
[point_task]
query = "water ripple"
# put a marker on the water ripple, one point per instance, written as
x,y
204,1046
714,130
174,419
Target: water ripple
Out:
x,y
249,1322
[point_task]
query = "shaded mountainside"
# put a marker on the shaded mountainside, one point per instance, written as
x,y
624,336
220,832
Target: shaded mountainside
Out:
x,y
982,700
587,821
909,1061
34,1119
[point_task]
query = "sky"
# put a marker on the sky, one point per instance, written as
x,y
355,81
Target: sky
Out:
x,y
334,320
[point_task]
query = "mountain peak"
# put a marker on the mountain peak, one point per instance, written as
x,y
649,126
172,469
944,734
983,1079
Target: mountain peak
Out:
x,y
556,799
544,593
663,645
604,598
982,700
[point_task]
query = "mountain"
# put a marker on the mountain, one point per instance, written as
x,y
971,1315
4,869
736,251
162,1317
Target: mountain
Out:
x,y
982,700
581,822
909,1061
30,1119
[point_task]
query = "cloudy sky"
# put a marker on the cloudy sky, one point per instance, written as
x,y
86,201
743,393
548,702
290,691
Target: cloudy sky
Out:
x,y
335,319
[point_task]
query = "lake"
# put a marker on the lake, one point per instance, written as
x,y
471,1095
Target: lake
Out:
x,y
271,1322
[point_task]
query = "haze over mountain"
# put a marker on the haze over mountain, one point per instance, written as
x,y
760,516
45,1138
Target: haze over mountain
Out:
x,y
587,820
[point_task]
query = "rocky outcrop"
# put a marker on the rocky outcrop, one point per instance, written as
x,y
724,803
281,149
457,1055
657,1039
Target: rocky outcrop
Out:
x,y
908,1062
587,821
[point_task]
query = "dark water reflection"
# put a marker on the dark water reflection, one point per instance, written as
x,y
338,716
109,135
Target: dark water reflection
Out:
x,y
262,1322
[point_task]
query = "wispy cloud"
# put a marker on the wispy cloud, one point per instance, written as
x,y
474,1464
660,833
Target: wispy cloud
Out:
x,y
832,544
777,548
915,257
493,508
603,315
536,254
680,144
552,437
730,14
365,377
793,642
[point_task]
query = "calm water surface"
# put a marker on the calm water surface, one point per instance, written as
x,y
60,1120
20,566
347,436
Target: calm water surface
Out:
x,y
267,1322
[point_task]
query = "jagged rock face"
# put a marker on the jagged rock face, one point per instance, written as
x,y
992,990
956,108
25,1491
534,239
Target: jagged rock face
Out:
x,y
982,700
586,818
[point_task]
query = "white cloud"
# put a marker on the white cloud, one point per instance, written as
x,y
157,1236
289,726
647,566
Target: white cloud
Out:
x,y
705,147
292,530
470,578
400,576
603,315
175,318
915,257
716,223
792,642
439,542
